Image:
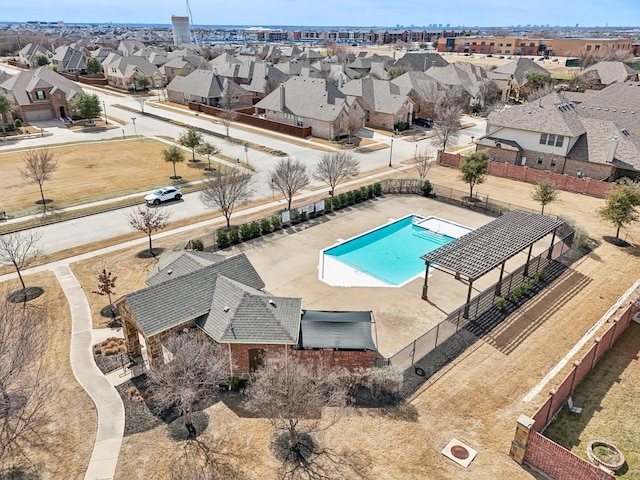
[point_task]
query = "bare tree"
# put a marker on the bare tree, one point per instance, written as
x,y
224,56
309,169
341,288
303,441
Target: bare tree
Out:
x,y
24,392
353,122
141,101
20,249
39,165
540,92
106,286
148,220
226,118
423,163
489,94
227,102
333,168
198,366
292,393
225,188
288,176
447,125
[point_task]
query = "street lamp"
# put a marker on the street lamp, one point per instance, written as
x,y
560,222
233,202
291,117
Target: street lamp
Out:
x,y
104,108
472,137
135,130
391,149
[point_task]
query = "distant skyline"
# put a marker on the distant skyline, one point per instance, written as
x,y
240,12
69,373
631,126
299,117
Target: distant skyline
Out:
x,y
359,13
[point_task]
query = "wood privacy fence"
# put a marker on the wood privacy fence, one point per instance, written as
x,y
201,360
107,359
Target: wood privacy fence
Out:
x,y
568,183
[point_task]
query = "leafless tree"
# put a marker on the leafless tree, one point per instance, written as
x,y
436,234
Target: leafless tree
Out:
x,y
142,101
20,249
333,168
225,188
353,122
427,93
107,286
292,393
24,392
148,220
198,367
227,102
446,125
540,92
489,94
423,163
288,176
334,48
39,165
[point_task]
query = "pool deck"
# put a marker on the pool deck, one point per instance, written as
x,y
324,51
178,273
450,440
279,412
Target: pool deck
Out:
x,y
289,266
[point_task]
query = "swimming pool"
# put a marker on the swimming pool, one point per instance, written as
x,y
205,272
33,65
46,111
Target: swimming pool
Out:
x,y
389,255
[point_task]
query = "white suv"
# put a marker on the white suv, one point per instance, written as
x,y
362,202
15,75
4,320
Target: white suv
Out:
x,y
163,194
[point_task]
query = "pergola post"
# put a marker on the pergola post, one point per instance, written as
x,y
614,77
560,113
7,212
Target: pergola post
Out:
x,y
526,265
499,284
553,239
425,287
466,306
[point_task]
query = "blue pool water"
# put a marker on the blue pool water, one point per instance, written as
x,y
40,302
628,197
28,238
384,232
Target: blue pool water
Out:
x,y
390,253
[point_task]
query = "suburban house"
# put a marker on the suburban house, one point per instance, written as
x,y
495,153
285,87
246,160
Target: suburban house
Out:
x,y
311,102
237,69
224,298
180,67
386,104
420,62
586,140
28,55
41,94
606,73
462,75
208,88
129,47
265,79
69,60
423,91
513,75
122,72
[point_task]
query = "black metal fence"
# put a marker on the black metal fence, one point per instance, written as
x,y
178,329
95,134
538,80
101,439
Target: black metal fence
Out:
x,y
455,321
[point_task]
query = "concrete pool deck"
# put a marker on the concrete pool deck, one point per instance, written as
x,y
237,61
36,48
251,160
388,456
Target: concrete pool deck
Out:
x,y
289,266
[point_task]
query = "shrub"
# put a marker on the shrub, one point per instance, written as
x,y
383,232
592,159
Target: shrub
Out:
x,y
350,196
335,201
386,380
276,222
302,216
234,236
196,244
363,193
222,238
427,188
245,231
370,192
501,303
327,204
255,229
265,226
18,123
343,199
540,274
357,196
377,189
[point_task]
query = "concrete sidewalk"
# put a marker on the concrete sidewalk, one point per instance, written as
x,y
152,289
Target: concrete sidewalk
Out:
x,y
106,449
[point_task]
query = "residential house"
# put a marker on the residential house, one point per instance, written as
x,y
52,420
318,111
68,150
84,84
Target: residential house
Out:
x,y
69,60
265,79
225,299
416,61
208,88
587,140
29,54
423,91
129,47
237,69
513,75
311,102
41,94
386,104
122,72
461,75
180,67
606,73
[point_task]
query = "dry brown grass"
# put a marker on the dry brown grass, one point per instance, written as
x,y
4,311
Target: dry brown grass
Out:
x,y
91,172
67,444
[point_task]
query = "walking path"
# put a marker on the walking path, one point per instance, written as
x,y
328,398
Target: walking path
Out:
x,y
106,449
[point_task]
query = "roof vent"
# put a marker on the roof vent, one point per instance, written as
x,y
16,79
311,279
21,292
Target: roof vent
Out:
x,y
226,308
272,303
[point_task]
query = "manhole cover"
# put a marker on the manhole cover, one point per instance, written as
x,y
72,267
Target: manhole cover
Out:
x,y
459,452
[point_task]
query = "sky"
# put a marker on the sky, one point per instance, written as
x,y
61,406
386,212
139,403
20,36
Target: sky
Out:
x,y
362,13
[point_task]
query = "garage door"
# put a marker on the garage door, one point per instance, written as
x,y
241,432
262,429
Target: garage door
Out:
x,y
36,115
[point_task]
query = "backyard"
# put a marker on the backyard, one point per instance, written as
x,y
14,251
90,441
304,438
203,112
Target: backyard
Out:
x,y
608,397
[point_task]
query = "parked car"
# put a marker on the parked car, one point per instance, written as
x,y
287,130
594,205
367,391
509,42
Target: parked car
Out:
x,y
424,122
163,194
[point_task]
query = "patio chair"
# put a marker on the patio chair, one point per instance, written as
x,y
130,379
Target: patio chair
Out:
x,y
572,407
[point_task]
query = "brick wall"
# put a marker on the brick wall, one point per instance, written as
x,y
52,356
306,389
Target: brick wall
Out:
x,y
350,359
560,463
293,130
569,183
240,353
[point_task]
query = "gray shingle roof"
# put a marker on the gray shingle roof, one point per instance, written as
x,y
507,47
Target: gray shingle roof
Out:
x,y
205,84
187,297
610,72
341,330
549,114
618,103
181,263
420,61
381,95
517,69
21,84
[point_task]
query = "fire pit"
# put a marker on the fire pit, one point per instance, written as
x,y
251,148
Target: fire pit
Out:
x,y
605,454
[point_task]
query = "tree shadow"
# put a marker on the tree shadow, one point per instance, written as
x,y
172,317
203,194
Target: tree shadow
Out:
x,y
153,253
179,433
618,242
25,294
46,201
18,473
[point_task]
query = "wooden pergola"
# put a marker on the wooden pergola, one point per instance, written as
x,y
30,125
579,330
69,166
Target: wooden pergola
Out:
x,y
478,252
